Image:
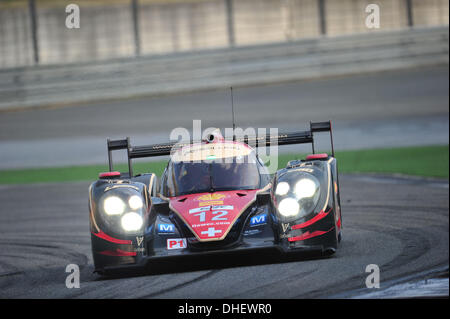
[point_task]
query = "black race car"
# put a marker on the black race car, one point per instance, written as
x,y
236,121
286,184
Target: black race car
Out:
x,y
215,196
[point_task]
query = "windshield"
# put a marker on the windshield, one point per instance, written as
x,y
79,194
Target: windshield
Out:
x,y
210,176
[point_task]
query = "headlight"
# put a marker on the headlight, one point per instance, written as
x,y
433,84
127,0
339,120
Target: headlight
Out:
x,y
113,205
131,221
135,202
289,207
305,188
282,189
297,195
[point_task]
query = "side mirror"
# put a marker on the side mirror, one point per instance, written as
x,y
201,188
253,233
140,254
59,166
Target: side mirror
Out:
x,y
160,205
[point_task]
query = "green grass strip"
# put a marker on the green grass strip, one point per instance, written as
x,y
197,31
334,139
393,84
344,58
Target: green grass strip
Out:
x,y
428,161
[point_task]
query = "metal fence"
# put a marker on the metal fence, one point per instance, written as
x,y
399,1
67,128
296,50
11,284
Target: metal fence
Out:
x,y
34,31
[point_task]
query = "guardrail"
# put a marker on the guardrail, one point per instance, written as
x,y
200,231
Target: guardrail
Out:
x,y
210,69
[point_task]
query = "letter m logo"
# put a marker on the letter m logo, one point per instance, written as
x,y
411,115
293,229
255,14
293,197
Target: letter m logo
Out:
x,y
166,228
258,220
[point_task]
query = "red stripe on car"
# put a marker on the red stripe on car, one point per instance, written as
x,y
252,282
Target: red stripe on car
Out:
x,y
308,235
118,252
109,174
316,218
104,236
316,156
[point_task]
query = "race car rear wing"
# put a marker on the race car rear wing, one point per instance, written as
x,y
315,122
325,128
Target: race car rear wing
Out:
x,y
322,127
256,141
291,138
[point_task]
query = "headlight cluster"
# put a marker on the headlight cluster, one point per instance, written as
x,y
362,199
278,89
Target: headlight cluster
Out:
x,y
130,220
297,197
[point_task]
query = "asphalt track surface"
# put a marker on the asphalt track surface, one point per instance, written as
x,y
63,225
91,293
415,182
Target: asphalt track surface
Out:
x,y
386,109
399,224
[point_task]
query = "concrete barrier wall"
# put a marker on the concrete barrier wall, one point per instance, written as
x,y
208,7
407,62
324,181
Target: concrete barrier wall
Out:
x,y
107,27
297,60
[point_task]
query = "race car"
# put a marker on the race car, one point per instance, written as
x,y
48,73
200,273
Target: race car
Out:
x,y
215,196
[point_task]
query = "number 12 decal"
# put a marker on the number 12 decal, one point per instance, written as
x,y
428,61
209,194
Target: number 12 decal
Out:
x,y
218,214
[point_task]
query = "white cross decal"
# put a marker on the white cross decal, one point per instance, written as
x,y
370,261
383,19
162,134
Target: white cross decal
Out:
x,y
211,232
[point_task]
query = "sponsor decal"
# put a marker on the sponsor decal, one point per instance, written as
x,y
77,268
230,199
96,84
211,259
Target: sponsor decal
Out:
x,y
199,209
217,202
252,232
211,151
258,220
214,196
176,243
223,207
210,199
166,228
209,224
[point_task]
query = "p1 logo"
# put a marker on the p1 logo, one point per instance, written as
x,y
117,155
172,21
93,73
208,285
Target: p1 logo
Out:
x,y
176,243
